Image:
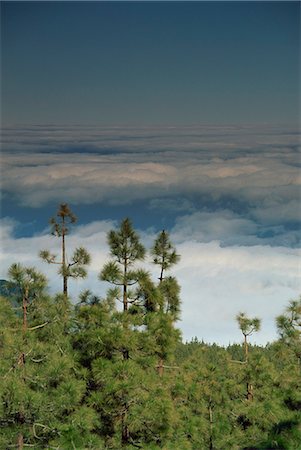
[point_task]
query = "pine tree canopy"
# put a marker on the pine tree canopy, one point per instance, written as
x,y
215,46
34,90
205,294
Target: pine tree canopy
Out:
x,y
125,244
80,257
248,326
111,372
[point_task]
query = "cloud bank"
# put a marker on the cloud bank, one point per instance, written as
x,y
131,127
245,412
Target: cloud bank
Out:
x,y
245,178
259,162
233,194
217,282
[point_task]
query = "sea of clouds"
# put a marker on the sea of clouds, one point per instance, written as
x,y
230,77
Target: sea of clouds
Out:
x,y
234,192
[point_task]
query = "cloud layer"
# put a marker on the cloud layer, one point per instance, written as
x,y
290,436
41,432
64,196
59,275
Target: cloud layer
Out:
x,y
233,194
217,282
199,160
245,178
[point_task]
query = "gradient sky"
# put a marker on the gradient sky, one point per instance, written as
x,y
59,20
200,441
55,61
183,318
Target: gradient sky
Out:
x,y
113,63
182,116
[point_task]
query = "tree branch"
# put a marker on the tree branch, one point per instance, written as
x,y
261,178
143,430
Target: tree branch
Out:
x,y
38,326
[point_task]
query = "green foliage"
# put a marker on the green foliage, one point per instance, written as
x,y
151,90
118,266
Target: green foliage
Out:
x,y
29,281
40,391
96,376
80,258
126,249
289,326
59,227
247,326
170,291
164,253
124,244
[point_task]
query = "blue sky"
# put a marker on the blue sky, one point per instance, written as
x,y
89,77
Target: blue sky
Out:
x,y
147,63
182,116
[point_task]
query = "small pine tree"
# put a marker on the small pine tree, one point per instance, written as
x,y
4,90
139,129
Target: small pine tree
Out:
x,y
162,325
126,249
80,258
164,253
289,327
248,327
29,282
42,390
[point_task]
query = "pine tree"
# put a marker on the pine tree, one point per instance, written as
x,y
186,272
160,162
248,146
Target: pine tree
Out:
x,y
162,324
80,258
289,327
248,327
29,284
131,285
164,253
126,249
137,294
42,393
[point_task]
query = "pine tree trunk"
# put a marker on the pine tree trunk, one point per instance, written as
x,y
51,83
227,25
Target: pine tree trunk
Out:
x,y
211,427
246,348
125,298
125,354
21,360
161,367
250,395
25,301
161,274
20,442
125,304
161,361
65,287
65,278
125,434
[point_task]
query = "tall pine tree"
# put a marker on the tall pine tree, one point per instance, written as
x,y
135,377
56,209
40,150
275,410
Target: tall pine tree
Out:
x,y
161,324
75,267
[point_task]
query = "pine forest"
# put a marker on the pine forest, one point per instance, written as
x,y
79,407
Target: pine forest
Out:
x,y
114,373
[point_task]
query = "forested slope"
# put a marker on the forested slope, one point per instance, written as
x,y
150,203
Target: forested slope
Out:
x,y
96,375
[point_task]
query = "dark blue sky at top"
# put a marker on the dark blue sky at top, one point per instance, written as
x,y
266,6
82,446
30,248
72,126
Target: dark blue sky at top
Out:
x,y
137,63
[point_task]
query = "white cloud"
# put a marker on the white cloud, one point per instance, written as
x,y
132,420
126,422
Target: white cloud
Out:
x,y
84,164
189,171
223,225
217,282
271,212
